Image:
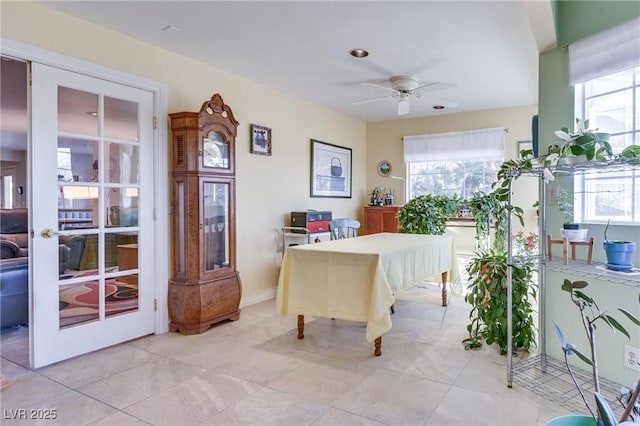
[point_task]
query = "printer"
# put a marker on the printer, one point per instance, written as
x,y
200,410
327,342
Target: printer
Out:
x,y
313,220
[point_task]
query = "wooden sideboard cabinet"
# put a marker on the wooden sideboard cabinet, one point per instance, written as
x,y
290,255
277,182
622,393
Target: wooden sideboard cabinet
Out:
x,y
381,219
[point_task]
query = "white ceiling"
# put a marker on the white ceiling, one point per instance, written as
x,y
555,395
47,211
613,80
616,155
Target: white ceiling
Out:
x,y
487,50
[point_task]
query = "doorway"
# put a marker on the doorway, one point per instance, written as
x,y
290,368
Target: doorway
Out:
x,y
103,194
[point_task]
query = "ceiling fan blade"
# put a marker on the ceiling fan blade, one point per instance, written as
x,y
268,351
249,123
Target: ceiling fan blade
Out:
x,y
403,106
426,65
380,86
371,100
432,87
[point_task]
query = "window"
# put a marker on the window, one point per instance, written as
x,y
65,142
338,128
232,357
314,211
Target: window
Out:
x,y
64,164
612,105
453,163
451,177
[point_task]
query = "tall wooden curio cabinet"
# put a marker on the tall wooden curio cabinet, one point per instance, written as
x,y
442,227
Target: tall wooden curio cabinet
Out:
x,y
205,288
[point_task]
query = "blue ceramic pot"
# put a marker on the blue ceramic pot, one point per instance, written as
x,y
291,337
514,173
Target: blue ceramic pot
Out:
x,y
619,252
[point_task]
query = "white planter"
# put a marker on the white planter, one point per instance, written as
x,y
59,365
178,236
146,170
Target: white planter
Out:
x,y
575,234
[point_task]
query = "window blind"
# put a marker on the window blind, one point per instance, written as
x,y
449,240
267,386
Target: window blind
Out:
x,y
481,145
604,53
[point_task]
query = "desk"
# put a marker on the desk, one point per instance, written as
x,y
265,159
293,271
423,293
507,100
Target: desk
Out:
x,y
355,278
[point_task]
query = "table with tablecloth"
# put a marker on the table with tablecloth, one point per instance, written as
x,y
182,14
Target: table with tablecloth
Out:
x,y
355,278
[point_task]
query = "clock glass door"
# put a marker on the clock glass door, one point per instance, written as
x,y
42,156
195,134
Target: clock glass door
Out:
x,y
216,224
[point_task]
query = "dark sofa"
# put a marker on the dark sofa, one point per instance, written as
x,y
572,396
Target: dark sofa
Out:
x,y
14,264
14,292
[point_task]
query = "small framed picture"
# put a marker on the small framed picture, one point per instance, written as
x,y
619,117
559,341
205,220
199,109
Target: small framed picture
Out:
x,y
260,140
384,168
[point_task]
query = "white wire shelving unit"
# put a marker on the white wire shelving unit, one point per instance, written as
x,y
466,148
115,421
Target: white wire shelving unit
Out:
x,y
616,165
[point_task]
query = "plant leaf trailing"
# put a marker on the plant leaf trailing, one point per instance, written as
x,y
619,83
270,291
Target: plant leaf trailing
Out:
x,y
488,297
486,208
590,313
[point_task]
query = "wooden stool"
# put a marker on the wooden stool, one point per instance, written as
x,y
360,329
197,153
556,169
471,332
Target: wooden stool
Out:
x,y
565,248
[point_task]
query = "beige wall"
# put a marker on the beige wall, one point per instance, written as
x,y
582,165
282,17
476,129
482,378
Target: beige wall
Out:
x,y
268,188
384,142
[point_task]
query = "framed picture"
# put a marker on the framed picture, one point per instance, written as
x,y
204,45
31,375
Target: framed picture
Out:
x,y
260,140
330,170
522,145
384,168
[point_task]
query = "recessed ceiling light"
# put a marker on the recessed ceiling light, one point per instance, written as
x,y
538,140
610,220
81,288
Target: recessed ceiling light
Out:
x,y
438,107
359,53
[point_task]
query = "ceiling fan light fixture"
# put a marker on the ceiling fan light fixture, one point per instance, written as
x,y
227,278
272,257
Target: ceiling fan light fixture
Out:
x,y
403,106
358,53
438,107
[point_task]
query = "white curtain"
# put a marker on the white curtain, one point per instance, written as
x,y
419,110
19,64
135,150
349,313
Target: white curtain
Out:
x,y
481,145
604,53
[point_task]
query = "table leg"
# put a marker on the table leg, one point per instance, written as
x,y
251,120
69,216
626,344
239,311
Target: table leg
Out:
x,y
300,326
378,343
444,289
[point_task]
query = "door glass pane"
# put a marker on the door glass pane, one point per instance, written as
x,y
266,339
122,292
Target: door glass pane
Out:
x,y
77,112
123,163
78,303
120,119
76,160
123,207
121,292
216,229
77,206
215,151
79,279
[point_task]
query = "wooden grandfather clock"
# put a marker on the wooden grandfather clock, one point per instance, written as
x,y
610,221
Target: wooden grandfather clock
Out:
x,y
205,288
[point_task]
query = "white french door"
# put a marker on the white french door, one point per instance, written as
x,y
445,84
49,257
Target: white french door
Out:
x,y
92,214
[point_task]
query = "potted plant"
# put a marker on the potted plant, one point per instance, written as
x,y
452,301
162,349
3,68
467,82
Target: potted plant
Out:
x,y
487,294
619,253
591,315
570,229
427,214
581,145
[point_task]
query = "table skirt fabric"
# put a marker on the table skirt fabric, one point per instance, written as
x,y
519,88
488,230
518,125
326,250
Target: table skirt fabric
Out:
x,y
354,279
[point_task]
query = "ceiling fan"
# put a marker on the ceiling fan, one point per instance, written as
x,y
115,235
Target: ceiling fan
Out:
x,y
404,87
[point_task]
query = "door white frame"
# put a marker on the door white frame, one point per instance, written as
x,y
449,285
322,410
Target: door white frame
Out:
x,y
161,174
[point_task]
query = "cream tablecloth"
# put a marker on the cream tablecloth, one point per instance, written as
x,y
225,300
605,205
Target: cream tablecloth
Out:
x,y
355,278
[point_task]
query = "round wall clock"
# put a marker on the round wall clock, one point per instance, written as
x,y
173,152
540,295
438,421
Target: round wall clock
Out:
x,y
384,168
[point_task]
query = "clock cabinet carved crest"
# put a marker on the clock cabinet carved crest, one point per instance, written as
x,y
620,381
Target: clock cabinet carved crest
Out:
x,y
205,288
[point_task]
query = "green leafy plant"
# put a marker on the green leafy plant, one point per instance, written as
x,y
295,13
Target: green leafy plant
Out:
x,y
565,204
427,214
591,144
631,152
485,209
488,297
591,315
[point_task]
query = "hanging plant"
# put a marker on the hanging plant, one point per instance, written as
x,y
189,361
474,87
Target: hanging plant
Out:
x,y
488,297
487,209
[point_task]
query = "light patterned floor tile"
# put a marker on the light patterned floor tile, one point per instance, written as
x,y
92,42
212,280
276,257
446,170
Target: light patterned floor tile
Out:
x,y
193,401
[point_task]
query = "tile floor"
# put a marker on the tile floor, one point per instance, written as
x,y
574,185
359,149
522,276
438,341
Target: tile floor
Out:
x,y
255,372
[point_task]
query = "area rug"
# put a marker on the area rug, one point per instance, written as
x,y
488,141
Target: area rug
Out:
x,y
79,302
